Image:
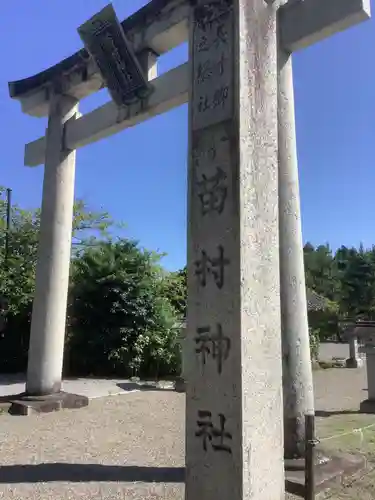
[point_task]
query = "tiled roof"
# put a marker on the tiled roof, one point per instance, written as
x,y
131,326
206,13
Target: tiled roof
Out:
x,y
315,302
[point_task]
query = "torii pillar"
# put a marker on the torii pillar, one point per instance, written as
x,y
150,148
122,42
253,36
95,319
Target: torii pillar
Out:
x,y
46,346
48,323
45,360
301,23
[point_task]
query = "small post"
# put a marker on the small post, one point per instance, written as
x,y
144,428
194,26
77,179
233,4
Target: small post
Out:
x,y
8,224
180,384
310,444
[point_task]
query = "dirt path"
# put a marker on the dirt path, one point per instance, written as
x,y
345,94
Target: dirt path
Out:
x,y
127,447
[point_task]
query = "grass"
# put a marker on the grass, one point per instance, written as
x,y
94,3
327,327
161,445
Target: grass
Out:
x,y
4,406
349,429
361,488
350,433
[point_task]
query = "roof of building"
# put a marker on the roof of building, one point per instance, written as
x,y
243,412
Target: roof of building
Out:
x,y
79,60
315,302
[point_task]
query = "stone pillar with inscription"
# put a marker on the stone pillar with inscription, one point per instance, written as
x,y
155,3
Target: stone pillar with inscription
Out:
x,y
234,429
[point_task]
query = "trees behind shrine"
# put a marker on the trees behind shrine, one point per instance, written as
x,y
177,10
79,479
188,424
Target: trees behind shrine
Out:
x,y
124,307
346,277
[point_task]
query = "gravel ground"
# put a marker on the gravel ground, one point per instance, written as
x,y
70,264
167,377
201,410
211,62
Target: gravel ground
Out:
x,y
98,452
118,446
339,389
90,387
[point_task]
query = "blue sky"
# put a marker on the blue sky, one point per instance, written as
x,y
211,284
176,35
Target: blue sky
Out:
x,y
139,175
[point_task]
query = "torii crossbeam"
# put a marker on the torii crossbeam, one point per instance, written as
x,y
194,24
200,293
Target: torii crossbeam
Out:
x,y
302,22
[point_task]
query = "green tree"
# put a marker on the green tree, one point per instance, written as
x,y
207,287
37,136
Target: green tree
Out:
x,y
356,270
17,274
175,290
122,323
319,270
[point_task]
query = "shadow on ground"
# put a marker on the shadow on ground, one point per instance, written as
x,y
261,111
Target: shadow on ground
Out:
x,y
132,386
331,413
12,378
64,472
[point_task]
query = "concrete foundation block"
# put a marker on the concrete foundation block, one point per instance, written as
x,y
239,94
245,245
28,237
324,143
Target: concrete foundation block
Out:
x,y
27,405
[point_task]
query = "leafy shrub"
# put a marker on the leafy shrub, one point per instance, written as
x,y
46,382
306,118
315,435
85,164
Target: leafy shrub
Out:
x,y
314,343
120,323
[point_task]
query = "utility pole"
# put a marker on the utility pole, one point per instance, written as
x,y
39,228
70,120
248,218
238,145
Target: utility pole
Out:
x,y
3,300
8,224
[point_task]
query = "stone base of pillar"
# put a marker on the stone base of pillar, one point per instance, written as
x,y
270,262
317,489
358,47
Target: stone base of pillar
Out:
x,y
298,464
337,469
367,406
23,404
354,363
180,385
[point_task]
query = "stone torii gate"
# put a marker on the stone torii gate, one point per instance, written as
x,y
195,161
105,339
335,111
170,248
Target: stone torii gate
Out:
x,y
242,144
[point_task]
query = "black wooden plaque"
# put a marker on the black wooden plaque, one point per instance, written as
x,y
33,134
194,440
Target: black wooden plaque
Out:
x,y
106,42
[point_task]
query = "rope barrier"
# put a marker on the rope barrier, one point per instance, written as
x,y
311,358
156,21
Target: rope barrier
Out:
x,y
353,431
312,441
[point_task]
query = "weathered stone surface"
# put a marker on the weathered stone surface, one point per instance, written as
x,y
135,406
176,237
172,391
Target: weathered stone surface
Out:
x,y
45,359
327,474
355,360
234,442
369,350
27,405
170,90
297,368
300,24
354,363
180,384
